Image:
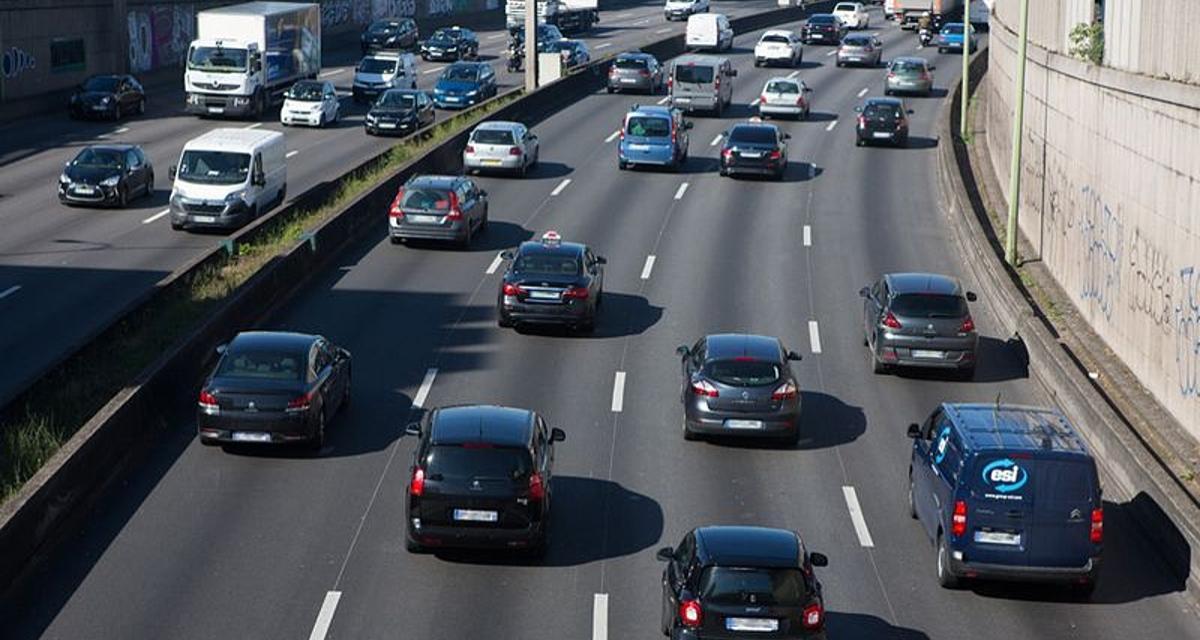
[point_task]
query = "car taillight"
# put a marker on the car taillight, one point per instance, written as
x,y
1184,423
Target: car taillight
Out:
x,y
762,98
814,616
868,49
1097,534
670,84
727,153
717,85
578,293
690,613
924,75
207,400
862,121
891,75
775,155
395,211
891,322
299,403
901,123
800,100
416,486
958,521
470,149
704,388
785,391
455,213
644,73
514,151
968,325
612,71
512,289
537,488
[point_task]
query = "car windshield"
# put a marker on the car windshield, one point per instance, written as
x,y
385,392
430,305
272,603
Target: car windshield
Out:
x,y
649,127
753,135
822,19
630,63
426,199
693,73
482,461
217,59
774,38
548,264
383,26
269,365
397,100
214,167
742,373
733,586
845,6
492,136
461,74
908,66
782,86
102,84
377,65
881,111
306,91
447,35
929,305
107,158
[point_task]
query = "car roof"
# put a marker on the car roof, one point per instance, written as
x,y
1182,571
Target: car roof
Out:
x,y
274,340
923,283
433,180
754,125
499,125
638,55
650,110
748,546
991,426
694,59
733,345
494,424
111,146
530,247
910,59
777,32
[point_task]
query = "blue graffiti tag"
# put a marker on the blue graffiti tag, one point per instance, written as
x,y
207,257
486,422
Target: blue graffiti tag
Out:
x,y
1104,239
1005,476
1187,335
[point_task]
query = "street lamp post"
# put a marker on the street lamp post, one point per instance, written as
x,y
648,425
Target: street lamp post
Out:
x,y
963,128
530,45
1014,183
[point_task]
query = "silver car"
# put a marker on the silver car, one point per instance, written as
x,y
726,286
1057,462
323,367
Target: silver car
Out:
x,y
860,49
636,70
784,97
909,75
501,146
919,320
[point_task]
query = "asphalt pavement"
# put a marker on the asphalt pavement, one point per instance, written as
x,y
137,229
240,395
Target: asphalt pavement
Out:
x,y
205,543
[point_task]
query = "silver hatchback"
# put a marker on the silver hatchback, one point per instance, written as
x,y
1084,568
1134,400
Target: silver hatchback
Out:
x,y
860,49
919,320
501,146
909,75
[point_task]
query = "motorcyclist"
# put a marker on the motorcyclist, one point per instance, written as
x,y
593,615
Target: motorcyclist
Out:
x,y
924,24
516,54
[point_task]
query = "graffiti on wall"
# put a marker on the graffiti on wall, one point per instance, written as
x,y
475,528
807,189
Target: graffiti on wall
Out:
x,y
393,9
17,61
159,36
1187,335
335,13
438,8
1103,237
1151,282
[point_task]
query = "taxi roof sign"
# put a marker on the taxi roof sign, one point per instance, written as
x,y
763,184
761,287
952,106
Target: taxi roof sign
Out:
x,y
551,238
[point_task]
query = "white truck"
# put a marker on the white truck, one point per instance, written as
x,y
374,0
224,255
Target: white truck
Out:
x,y
245,56
567,15
907,12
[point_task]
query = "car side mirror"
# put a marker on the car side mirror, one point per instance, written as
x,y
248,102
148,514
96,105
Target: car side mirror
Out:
x,y
733,73
171,172
971,297
412,429
688,125
506,255
794,357
221,349
818,559
807,89
864,292
910,112
682,350
787,136
483,193
914,431
557,435
601,260
932,67
665,554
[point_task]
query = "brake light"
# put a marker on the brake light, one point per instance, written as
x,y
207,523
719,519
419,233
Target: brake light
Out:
x,y
727,153
862,121
470,149
762,98
670,84
455,213
1097,533
577,293
814,616
891,322
395,211
958,521
800,100
968,325
537,488
208,401
891,74
512,289
924,75
786,391
299,403
514,151
416,486
644,73
717,85
775,155
704,388
690,613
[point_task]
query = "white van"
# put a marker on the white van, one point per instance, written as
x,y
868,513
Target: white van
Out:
x,y
227,177
377,72
709,31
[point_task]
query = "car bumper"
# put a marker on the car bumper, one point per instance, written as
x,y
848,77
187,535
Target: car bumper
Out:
x,y
440,57
857,59
657,155
267,429
231,217
93,111
476,537
573,313
308,119
692,634
821,38
773,58
455,102
1016,573
455,231
507,163
101,196
694,103
395,128
761,168
773,424
780,109
207,105
639,84
933,354
909,87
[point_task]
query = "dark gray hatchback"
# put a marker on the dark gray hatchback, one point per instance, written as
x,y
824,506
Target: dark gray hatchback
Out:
x,y
919,320
450,208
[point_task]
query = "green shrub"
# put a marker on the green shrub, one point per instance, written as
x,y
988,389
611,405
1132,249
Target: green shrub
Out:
x,y
1087,42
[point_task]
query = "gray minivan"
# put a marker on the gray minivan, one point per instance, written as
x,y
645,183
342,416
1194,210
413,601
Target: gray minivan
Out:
x,y
701,82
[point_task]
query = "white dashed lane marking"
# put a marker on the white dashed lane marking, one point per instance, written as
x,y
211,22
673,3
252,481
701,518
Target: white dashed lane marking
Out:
x,y
831,125
863,92
618,395
648,267
292,153
600,617
680,191
333,72
715,141
856,516
814,336
613,136
325,616
423,392
496,262
253,126
562,185
433,70
156,216
807,235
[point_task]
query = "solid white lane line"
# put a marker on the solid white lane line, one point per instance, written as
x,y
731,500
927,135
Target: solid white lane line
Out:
x,y
292,153
667,30
600,617
834,52
156,216
433,70
623,15
253,126
641,22
807,236
332,72
562,185
856,516
16,287
325,616
756,101
613,136
646,269
831,125
495,264
618,397
864,91
793,74
814,334
664,100
680,191
122,130
716,141
602,45
496,36
423,392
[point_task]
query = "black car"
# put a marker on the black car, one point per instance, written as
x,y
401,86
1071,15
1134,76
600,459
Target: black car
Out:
x,y
573,52
739,385
544,32
432,207
482,476
107,96
742,582
106,174
882,120
273,387
754,148
399,34
551,282
452,44
399,112
823,28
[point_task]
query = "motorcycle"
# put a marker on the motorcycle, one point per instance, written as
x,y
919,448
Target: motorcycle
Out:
x,y
926,37
516,58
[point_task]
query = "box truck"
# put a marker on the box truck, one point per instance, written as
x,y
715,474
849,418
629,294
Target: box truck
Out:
x,y
245,56
567,15
907,12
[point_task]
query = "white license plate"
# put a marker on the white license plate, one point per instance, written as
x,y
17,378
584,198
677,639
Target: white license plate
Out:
x,y
751,154
473,515
998,537
854,58
491,162
628,80
639,147
544,295
681,99
216,109
251,436
453,98
387,125
85,189
881,134
416,217
932,355
98,108
751,624
743,424
204,218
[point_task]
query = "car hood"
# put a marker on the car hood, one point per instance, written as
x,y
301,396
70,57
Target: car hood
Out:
x,y
90,175
680,4
456,86
299,105
208,192
393,112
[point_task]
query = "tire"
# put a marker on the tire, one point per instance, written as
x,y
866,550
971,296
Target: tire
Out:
x,y
967,374
395,240
318,440
466,241
858,142
912,503
122,197
503,322
945,579
141,108
878,368
483,224
838,63
412,546
148,188
757,63
175,226
321,124
1084,590
621,165
688,434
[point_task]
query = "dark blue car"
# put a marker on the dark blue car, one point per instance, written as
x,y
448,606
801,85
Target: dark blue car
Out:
x,y
464,84
1006,493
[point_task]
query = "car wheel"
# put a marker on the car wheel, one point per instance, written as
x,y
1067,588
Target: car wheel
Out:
x,y
141,108
318,439
412,546
122,197
346,394
148,188
483,223
877,367
688,434
321,124
967,374
609,89
503,321
758,63
1084,590
396,240
466,241
838,63
912,502
175,226
622,165
858,142
945,578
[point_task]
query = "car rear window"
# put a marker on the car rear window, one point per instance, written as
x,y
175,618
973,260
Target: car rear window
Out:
x,y
492,136
630,63
1062,481
822,19
648,126
268,365
741,586
477,461
908,66
774,38
856,41
928,305
547,263
743,373
845,6
782,86
694,73
881,111
955,29
426,199
753,135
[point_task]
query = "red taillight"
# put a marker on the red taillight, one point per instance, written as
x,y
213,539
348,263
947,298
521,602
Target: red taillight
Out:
x,y
299,403
512,289
644,73
578,293
704,388
814,616
785,391
455,213
470,149
775,155
670,83
862,121
727,153
514,151
891,322
958,521
1097,534
395,210
537,488
690,614
924,75
207,400
416,486
891,74
968,325
762,98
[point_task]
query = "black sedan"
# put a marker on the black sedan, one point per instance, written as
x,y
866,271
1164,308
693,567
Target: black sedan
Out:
x,y
451,44
273,387
108,174
109,96
399,112
551,282
573,52
754,148
392,33
823,28
882,120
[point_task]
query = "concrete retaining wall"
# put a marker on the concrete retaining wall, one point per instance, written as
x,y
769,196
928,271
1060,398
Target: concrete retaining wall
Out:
x,y
1110,201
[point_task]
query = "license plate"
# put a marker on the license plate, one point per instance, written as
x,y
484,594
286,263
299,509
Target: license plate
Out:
x,y
743,424
544,295
881,134
453,98
751,624
251,436
924,353
421,218
628,80
639,147
491,162
387,125
85,189
216,109
473,515
204,218
998,537
97,107
854,58
751,154
681,99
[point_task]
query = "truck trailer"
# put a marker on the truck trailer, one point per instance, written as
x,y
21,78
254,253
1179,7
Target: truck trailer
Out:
x,y
907,12
568,15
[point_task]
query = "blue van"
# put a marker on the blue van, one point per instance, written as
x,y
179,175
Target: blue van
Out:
x,y
1006,493
654,136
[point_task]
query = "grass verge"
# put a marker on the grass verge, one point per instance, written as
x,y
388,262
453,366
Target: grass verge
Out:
x,y
46,415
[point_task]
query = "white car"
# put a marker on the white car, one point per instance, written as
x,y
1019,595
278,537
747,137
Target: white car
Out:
x,y
501,146
681,9
852,14
784,97
779,46
310,102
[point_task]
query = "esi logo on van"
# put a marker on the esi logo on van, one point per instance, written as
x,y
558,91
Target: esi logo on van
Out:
x,y
1005,477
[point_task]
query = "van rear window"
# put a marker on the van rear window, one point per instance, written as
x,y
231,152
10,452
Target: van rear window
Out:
x,y
694,74
1044,481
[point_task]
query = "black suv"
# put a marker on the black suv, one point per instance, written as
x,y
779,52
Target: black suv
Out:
x,y
481,477
551,282
722,582
390,33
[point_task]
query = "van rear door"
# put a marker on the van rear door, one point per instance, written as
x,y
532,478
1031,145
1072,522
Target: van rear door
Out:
x,y
1065,491
692,79
1001,509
